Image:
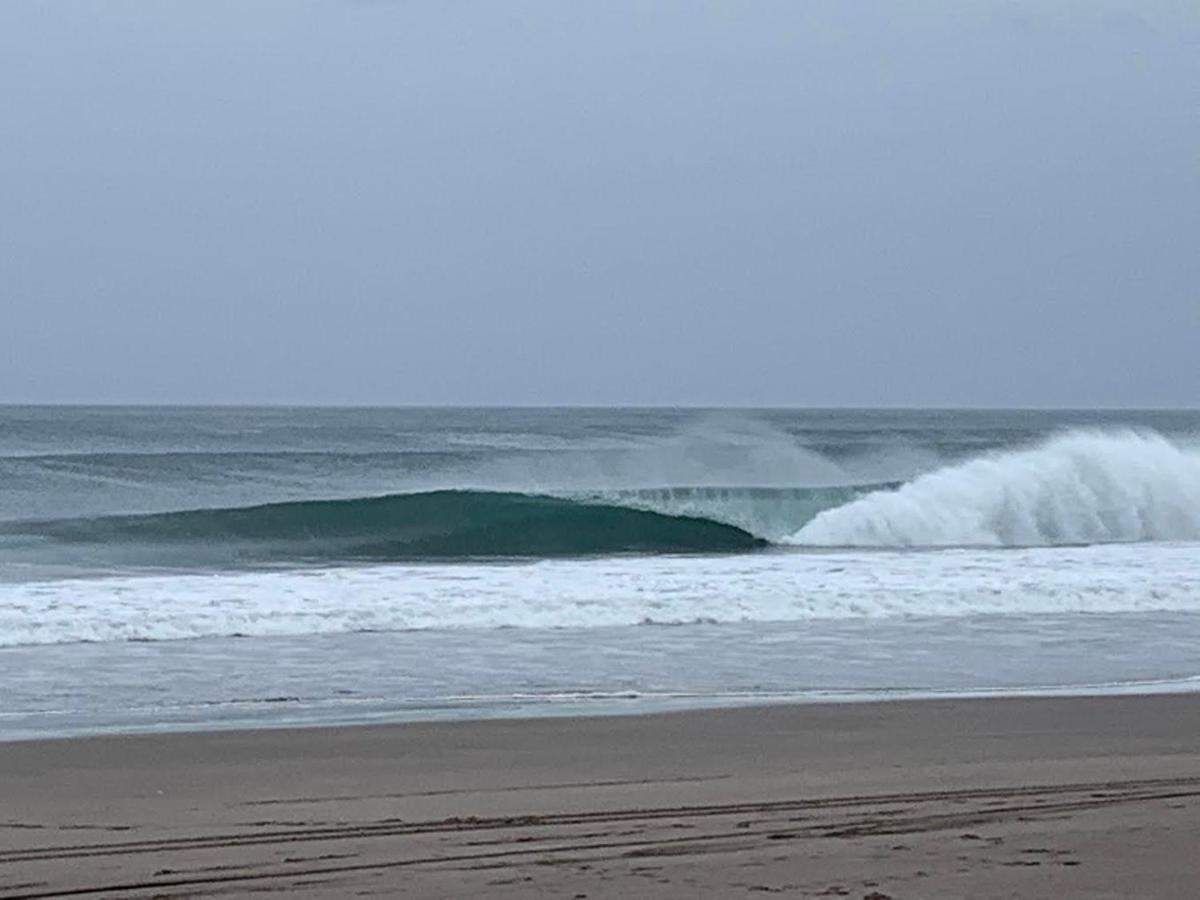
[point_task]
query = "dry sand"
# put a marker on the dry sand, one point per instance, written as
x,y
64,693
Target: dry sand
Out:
x,y
1028,798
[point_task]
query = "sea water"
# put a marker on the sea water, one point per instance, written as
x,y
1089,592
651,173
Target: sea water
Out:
x,y
186,567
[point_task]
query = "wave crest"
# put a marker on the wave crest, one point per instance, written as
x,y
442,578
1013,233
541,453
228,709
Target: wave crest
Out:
x,y
431,525
1081,487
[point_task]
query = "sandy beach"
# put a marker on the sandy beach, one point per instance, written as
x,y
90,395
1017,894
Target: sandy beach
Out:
x,y
1071,797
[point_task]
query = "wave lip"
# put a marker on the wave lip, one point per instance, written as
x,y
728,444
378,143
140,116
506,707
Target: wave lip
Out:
x,y
432,525
1078,488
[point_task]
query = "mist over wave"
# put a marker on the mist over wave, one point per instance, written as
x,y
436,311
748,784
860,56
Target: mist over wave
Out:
x,y
332,456
1080,487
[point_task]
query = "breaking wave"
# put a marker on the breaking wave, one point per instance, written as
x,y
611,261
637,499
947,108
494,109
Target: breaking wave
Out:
x,y
431,525
1078,488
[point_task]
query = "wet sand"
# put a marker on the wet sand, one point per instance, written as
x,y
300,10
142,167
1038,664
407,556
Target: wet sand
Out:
x,y
1032,798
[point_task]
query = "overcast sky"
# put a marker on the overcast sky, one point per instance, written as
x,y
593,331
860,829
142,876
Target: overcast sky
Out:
x,y
852,202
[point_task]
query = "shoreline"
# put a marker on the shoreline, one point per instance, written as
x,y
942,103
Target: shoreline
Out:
x,y
1038,797
536,708
617,708
389,677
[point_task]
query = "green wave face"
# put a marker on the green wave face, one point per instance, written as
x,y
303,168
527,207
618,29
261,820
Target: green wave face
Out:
x,y
433,525
772,513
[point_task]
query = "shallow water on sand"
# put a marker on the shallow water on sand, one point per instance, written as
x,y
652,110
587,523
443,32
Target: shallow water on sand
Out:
x,y
470,673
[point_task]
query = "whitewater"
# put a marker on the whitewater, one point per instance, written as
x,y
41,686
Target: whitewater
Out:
x,y
188,567
582,593
1077,488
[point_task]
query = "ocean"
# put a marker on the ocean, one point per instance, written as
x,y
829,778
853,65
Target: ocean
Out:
x,y
182,568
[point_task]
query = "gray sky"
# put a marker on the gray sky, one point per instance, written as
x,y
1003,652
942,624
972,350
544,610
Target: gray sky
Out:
x,y
804,203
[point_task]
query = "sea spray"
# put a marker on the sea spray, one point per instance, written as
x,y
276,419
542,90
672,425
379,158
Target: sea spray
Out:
x,y
1080,487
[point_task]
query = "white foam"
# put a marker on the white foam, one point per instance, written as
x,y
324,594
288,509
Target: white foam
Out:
x,y
1078,488
781,586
